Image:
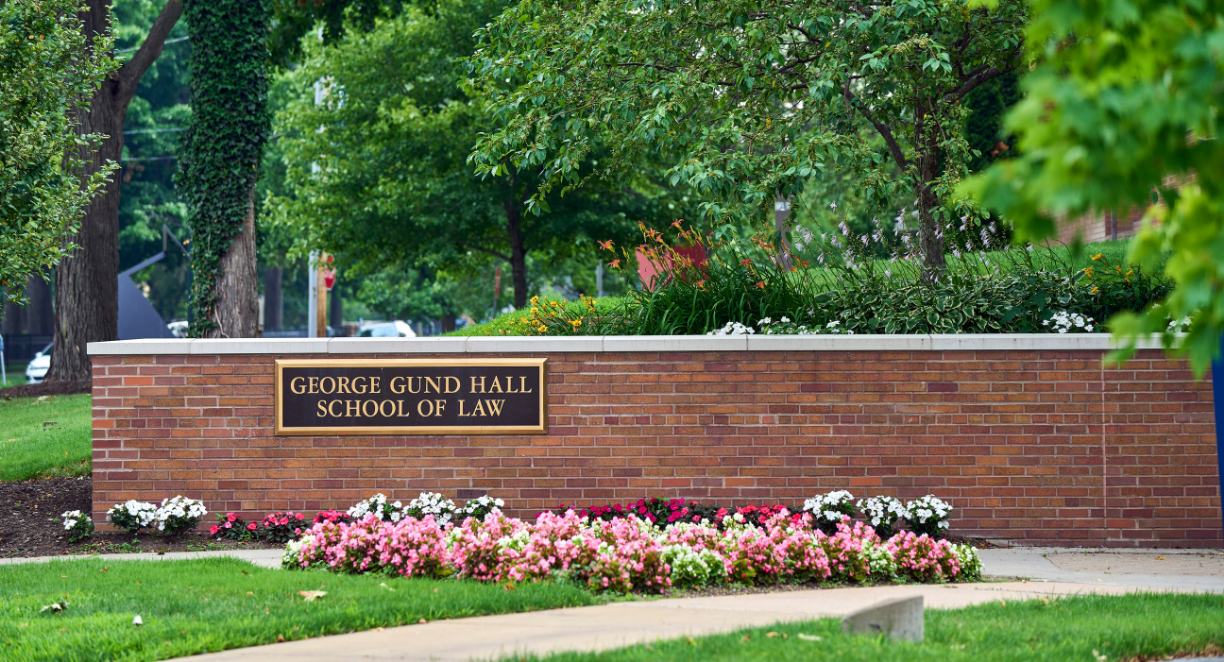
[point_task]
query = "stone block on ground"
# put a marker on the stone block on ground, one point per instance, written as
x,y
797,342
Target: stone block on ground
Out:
x,y
899,618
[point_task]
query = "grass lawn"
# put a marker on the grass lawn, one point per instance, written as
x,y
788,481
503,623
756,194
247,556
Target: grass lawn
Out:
x,y
1084,629
32,447
209,605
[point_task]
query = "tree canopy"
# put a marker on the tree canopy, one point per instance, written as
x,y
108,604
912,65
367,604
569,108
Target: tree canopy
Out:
x,y
1123,109
747,100
377,144
46,66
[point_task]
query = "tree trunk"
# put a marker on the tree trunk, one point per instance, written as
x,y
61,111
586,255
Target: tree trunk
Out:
x,y
236,288
518,251
274,307
448,323
930,235
87,279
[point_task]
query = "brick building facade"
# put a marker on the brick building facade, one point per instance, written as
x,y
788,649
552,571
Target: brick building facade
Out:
x,y
1028,437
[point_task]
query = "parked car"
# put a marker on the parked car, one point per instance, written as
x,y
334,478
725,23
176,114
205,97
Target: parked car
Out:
x,y
178,329
37,370
396,329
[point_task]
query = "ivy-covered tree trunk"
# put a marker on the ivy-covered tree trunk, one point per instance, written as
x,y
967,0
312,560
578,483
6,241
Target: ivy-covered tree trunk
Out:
x,y
219,161
86,281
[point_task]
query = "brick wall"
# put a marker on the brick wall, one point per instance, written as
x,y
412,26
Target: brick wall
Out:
x,y
1036,447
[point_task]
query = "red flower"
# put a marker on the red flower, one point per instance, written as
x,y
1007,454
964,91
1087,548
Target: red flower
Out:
x,y
606,245
761,285
615,264
252,526
212,530
284,521
231,517
746,262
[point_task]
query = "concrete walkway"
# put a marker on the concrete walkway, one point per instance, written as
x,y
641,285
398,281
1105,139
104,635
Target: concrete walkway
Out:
x,y
1150,569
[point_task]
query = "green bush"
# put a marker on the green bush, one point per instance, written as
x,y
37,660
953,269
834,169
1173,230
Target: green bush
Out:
x,y
832,284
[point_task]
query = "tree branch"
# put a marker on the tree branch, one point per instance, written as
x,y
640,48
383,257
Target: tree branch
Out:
x,y
982,74
883,129
485,250
131,71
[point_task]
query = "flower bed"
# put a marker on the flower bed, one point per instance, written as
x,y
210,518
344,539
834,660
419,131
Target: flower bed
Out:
x,y
629,553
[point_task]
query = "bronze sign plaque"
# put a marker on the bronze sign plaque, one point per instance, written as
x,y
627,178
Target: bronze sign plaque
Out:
x,y
365,397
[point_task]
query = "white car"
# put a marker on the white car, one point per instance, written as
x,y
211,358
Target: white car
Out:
x,y
396,329
37,370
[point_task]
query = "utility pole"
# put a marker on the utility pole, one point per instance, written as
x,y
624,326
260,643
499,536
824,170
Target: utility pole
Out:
x,y
312,307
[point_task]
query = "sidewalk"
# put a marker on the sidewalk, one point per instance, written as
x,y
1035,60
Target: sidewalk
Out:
x,y
1138,569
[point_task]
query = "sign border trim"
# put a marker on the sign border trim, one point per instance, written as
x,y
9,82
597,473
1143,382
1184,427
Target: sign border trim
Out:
x,y
281,431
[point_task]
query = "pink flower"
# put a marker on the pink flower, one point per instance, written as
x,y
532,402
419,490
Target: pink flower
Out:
x,y
231,517
229,524
252,526
212,530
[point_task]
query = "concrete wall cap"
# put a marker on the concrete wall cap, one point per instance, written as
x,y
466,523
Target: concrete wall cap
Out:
x,y
554,344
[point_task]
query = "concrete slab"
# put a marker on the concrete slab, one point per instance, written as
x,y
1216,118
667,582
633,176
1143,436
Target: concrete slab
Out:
x,y
1098,567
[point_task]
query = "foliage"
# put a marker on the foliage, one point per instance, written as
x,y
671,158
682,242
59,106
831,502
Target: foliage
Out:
x,y
232,526
208,605
747,101
223,145
882,514
283,527
555,319
376,141
829,510
48,70
1122,106
624,554
78,525
838,286
132,516
178,514
30,449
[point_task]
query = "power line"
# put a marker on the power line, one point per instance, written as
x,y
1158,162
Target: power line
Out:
x,y
168,41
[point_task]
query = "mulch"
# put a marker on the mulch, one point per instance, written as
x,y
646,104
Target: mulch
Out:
x,y
45,388
28,526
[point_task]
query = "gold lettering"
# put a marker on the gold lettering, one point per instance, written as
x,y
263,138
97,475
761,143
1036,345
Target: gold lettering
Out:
x,y
401,413
357,386
396,389
314,384
496,387
495,407
322,409
329,409
293,386
482,386
343,386
382,408
410,389
523,385
479,410
461,414
439,405
374,385
421,405
430,381
351,406
365,410
448,384
323,389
